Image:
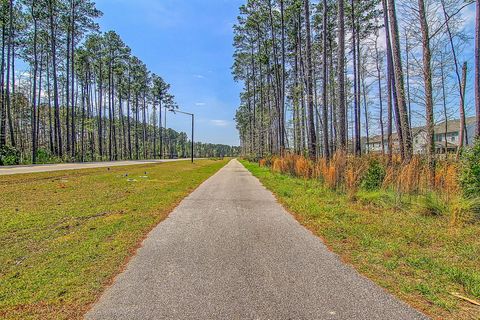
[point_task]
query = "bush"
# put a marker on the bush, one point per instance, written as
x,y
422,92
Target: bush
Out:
x,y
373,178
431,205
9,156
44,156
470,171
466,209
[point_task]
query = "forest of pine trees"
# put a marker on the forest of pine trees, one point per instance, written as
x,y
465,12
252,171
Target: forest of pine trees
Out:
x,y
327,75
82,95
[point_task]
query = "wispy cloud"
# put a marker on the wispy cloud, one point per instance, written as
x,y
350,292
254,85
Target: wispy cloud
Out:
x,y
199,76
200,104
220,123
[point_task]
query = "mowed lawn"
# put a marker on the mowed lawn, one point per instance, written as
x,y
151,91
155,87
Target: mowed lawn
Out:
x,y
420,259
65,235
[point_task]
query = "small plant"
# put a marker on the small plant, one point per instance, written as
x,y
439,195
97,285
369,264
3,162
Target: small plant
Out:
x,y
470,171
432,205
466,209
9,156
374,176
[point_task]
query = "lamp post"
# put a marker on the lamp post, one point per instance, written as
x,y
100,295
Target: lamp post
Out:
x,y
193,125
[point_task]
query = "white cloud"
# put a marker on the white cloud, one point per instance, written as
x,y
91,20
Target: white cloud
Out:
x,y
200,104
199,76
220,123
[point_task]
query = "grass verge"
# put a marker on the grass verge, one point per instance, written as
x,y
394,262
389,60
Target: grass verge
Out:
x,y
420,259
65,235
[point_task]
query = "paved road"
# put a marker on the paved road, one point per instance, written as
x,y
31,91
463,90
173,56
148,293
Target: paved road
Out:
x,y
230,251
9,170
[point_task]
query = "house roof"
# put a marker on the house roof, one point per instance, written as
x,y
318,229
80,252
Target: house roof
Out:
x,y
453,126
378,138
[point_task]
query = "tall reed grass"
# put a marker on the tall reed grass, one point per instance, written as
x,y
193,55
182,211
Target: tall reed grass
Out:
x,y
345,173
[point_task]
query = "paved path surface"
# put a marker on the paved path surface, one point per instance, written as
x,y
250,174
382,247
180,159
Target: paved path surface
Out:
x,y
9,170
230,251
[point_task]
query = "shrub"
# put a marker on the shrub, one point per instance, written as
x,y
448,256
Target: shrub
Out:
x,y
466,209
43,156
9,156
470,171
432,205
373,177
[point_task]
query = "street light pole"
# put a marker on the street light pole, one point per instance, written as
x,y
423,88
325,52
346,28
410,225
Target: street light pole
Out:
x,y
193,132
193,127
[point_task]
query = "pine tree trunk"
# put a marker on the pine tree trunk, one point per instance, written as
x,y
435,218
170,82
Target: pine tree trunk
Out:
x,y
57,124
356,107
463,131
380,95
407,60
341,78
326,147
10,57
282,107
34,89
477,67
312,147
390,81
444,100
50,124
427,76
67,91
3,131
10,112
160,126
72,50
399,83
100,113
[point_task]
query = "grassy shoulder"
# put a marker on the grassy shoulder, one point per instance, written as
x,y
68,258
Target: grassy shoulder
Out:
x,y
420,259
65,235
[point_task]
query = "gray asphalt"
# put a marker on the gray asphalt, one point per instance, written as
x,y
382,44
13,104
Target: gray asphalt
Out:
x,y
10,170
230,251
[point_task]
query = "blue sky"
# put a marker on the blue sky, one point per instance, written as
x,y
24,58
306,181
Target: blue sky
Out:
x,y
189,44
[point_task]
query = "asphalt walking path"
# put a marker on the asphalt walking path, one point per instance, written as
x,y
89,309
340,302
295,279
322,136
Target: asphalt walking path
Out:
x,y
10,170
230,251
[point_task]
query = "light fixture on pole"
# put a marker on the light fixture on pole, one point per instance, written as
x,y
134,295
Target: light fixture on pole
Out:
x,y
193,126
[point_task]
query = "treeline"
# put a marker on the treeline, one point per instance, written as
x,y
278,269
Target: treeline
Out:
x,y
324,76
85,97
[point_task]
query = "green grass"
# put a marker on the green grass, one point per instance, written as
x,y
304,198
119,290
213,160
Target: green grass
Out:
x,y
420,258
65,235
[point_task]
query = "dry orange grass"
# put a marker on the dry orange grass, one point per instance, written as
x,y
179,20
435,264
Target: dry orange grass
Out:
x,y
405,178
279,165
345,172
303,168
446,177
353,175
